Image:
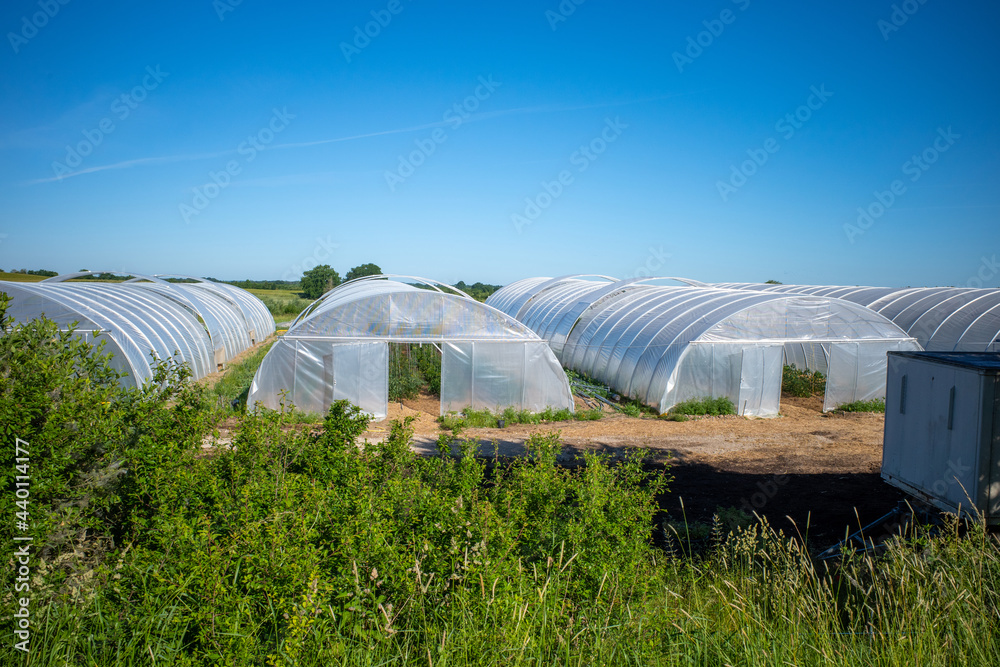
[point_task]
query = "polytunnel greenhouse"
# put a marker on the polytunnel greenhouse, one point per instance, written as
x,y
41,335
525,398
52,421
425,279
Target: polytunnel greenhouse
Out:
x,y
664,345
942,319
340,346
200,323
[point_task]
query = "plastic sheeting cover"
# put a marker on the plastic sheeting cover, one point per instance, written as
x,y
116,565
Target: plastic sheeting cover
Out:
x,y
489,359
664,345
942,319
140,321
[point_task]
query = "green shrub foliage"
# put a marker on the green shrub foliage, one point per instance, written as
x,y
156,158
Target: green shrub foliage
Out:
x,y
802,383
705,406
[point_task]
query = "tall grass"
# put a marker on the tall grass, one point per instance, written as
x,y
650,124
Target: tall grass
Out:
x,y
284,305
234,385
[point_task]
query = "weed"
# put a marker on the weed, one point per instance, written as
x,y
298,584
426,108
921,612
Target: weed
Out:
x,y
802,383
470,418
873,405
233,387
704,406
631,410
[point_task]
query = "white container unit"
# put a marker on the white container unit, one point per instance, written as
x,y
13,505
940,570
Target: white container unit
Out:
x,y
942,429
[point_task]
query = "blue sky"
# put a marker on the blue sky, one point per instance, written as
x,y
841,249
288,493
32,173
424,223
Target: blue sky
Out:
x,y
726,140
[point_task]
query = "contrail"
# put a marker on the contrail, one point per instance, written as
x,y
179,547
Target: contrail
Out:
x,y
125,164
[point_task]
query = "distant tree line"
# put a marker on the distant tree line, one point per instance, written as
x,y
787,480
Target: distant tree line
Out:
x,y
33,272
478,291
319,280
293,285
314,283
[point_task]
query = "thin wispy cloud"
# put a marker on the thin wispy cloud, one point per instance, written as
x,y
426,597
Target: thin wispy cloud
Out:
x,y
488,115
125,164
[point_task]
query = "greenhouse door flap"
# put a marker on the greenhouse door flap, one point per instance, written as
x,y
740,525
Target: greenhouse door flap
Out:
x,y
359,373
760,381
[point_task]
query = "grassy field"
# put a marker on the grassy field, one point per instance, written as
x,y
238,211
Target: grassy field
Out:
x,y
20,277
284,305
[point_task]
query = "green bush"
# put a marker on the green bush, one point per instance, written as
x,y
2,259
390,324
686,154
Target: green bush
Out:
x,y
90,444
631,410
591,415
704,406
802,383
874,405
488,419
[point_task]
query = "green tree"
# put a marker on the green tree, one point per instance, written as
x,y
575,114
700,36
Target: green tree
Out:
x,y
363,270
319,280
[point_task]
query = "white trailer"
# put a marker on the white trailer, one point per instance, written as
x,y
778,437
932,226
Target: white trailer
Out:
x,y
942,430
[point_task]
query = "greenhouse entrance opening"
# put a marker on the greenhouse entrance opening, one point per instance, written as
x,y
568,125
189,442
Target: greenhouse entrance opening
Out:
x,y
414,369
